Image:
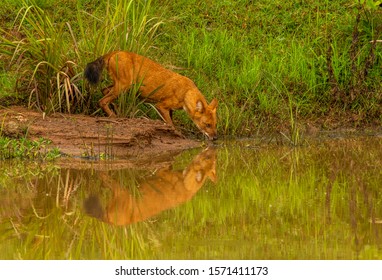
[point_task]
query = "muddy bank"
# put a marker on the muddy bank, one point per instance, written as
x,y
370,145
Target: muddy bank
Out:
x,y
86,136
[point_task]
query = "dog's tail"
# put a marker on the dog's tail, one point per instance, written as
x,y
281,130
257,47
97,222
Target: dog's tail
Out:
x,y
93,207
93,70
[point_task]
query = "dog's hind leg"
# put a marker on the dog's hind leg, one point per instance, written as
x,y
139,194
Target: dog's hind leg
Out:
x,y
110,94
106,90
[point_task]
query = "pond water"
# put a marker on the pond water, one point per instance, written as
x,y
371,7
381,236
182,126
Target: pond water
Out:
x,y
246,199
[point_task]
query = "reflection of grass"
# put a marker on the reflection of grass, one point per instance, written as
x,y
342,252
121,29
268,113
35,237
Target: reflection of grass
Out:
x,y
273,202
270,202
48,222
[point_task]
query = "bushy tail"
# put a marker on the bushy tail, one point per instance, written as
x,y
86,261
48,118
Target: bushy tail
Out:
x,y
93,70
93,207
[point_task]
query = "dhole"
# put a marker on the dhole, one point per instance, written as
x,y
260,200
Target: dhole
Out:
x,y
166,189
167,90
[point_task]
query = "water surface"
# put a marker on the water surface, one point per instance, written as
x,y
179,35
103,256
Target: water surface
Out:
x,y
245,199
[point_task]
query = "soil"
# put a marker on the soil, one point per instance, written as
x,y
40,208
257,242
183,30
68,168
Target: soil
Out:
x,y
141,142
92,137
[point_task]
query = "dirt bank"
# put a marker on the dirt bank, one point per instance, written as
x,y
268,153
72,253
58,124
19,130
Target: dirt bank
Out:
x,y
80,135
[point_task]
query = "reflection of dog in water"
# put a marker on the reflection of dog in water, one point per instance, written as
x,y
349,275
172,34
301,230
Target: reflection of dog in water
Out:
x,y
164,190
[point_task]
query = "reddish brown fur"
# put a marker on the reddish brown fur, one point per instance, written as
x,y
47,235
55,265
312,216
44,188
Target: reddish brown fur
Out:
x,y
164,190
166,89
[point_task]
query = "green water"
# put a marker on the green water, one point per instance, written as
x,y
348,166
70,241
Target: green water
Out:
x,y
246,199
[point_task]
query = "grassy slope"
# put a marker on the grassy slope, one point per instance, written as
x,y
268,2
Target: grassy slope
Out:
x,y
264,59
270,63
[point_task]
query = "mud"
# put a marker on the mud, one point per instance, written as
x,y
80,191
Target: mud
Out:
x,y
92,137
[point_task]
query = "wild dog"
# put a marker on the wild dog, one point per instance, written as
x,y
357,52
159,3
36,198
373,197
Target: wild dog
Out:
x,y
165,189
167,90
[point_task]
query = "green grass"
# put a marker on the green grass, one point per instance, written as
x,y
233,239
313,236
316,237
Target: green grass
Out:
x,y
26,149
53,52
263,60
